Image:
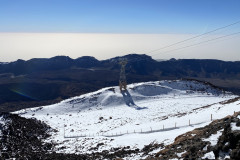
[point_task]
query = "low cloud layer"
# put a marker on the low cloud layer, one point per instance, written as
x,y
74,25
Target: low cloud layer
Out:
x,y
25,46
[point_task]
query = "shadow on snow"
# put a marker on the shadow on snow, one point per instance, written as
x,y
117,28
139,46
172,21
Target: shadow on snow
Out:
x,y
129,101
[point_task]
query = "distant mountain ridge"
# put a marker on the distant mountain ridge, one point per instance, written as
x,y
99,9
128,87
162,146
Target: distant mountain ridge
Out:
x,y
141,64
42,81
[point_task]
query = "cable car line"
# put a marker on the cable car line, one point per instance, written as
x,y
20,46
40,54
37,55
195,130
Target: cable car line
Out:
x,y
199,43
194,37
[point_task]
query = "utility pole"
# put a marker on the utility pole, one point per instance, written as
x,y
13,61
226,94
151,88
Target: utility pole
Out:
x,y
122,80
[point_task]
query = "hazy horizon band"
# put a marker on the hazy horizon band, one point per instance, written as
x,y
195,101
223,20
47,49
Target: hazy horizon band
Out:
x,y
26,46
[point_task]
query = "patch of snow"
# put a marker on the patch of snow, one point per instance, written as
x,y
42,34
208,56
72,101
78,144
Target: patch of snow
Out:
x,y
180,154
213,139
209,155
235,127
1,124
224,155
1,120
135,157
155,151
205,148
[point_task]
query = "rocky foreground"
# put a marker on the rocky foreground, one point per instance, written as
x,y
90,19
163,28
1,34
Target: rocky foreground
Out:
x,y
23,138
194,144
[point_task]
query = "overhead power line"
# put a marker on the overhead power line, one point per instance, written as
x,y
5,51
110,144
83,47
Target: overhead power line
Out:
x,y
195,37
199,43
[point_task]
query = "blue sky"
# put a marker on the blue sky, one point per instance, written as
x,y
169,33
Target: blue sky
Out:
x,y
117,16
109,28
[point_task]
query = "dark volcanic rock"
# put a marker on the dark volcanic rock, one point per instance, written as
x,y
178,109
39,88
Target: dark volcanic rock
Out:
x,y
22,137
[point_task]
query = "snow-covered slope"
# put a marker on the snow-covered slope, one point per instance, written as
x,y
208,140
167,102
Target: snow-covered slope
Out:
x,y
146,112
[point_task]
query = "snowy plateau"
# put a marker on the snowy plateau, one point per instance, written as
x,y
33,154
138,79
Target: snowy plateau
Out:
x,y
145,113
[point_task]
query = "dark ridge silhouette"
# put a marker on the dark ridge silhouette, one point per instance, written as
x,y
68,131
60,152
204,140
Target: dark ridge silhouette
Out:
x,y
42,81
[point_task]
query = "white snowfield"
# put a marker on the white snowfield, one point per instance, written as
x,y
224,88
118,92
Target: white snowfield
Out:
x,y
147,112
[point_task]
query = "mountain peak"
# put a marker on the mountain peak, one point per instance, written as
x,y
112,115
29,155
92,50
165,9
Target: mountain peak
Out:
x,y
86,58
87,62
132,58
60,58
